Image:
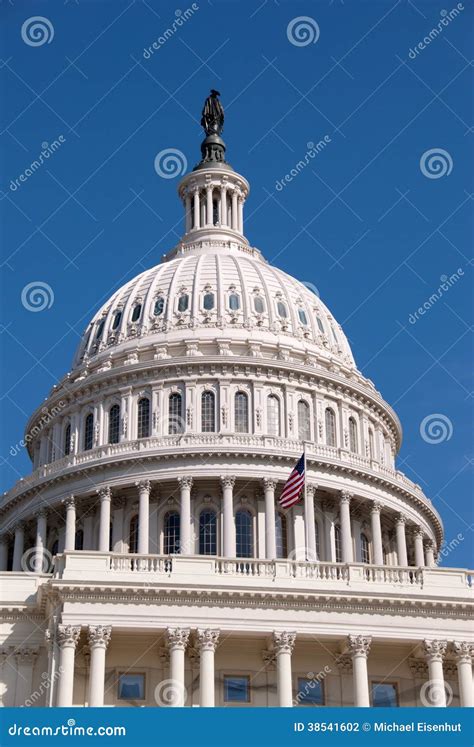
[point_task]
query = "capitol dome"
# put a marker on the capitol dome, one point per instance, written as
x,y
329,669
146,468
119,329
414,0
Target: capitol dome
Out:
x,y
148,558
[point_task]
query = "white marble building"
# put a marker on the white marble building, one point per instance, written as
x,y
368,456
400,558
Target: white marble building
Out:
x,y
145,560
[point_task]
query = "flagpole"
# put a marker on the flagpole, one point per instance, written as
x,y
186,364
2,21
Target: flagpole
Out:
x,y
305,504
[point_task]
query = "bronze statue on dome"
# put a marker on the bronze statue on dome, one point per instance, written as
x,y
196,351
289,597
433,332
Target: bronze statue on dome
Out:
x,y
212,120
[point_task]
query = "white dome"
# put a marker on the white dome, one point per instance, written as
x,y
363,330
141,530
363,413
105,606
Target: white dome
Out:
x,y
213,290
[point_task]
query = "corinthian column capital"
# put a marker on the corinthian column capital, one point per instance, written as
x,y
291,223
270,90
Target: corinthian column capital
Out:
x,y
185,482
105,494
269,483
207,639
434,650
376,507
177,638
68,635
99,635
284,642
227,481
359,645
346,496
144,486
311,490
463,651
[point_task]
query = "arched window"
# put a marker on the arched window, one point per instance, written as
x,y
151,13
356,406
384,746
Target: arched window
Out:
x,y
244,534
208,301
320,325
67,440
282,310
273,415
304,424
175,414
114,424
79,540
183,302
89,432
137,310
133,534
207,533
241,412
259,304
234,302
159,306
334,336
302,317
330,419
338,543
117,319
281,536
171,544
364,549
143,422
371,444
100,329
353,442
208,412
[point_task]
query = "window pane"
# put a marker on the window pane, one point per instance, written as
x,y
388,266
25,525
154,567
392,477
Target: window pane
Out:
x,y
304,425
208,301
131,687
280,533
310,692
100,329
320,325
208,420
236,689
282,310
88,432
333,331
259,305
384,695
137,310
337,542
67,440
159,306
175,417
330,427
241,413
133,536
302,316
353,435
172,533
364,549
143,425
244,534
114,424
117,319
207,533
273,415
183,302
79,540
234,302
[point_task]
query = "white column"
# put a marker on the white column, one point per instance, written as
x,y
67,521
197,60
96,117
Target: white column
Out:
x,y
376,532
118,538
99,637
346,536
3,552
19,546
187,208
105,496
241,215
196,209
419,550
223,205
177,642
209,210
68,636
359,647
402,557
228,545
269,486
144,487
207,643
70,536
235,216
463,652
430,554
283,645
40,563
185,484
433,692
310,530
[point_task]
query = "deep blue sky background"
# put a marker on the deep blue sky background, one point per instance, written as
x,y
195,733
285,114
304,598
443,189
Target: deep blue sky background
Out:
x,y
378,234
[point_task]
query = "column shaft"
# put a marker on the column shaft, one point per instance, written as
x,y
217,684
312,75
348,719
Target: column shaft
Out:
x,y
310,528
464,667
402,557
99,637
70,535
376,534
359,647
346,535
235,216
209,207
419,550
185,484
143,517
270,538
284,644
104,522
18,547
68,636
40,562
196,209
228,547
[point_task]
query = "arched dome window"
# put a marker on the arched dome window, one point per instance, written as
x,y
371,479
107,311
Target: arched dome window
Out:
x,y
143,420
137,310
133,535
100,329
234,302
207,533
364,549
320,325
281,536
334,336
273,415
338,543
282,310
67,440
175,414
159,306
89,432
353,441
183,302
244,534
302,317
304,423
241,412
114,424
79,540
117,320
371,444
208,412
208,301
330,418
172,533
259,305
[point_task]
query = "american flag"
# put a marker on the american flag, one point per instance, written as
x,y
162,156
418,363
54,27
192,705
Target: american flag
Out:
x,y
293,486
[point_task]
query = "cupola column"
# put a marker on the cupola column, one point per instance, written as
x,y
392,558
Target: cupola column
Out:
x,y
435,691
228,544
99,637
40,544
402,557
70,535
241,214
209,209
186,546
376,532
463,653
196,209
235,217
177,642
223,208
18,546
419,550
269,486
359,647
105,496
430,554
346,536
284,644
144,488
207,643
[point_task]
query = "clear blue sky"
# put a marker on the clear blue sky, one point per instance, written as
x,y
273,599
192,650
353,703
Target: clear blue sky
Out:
x,y
362,222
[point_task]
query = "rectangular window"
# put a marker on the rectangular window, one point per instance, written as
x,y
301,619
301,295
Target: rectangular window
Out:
x,y
236,688
310,692
131,687
384,695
